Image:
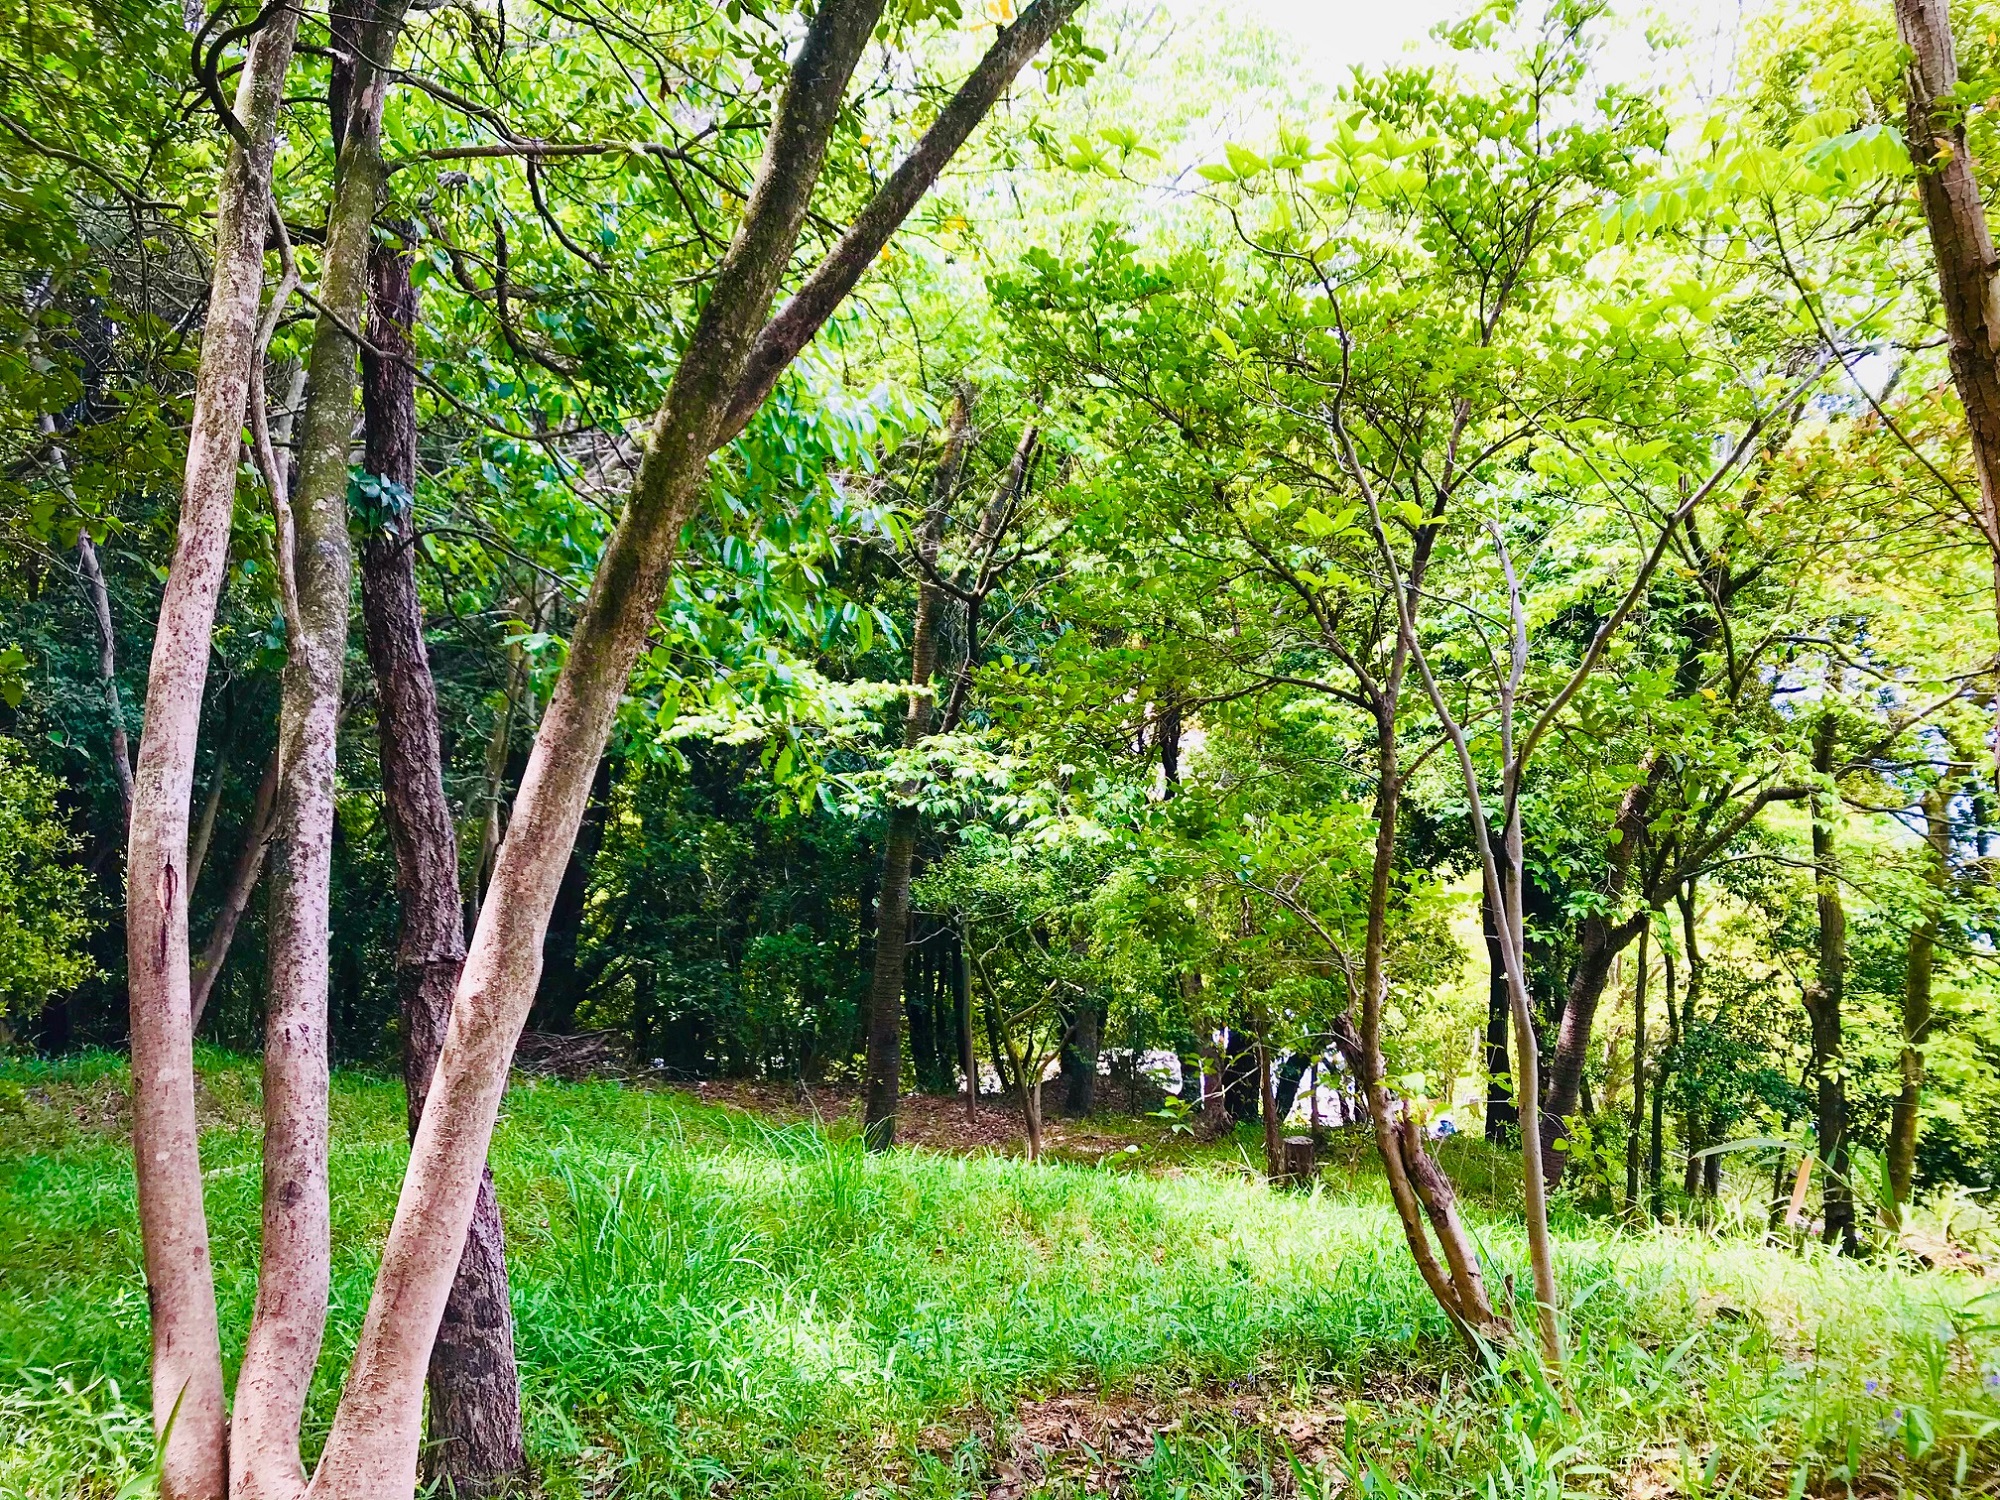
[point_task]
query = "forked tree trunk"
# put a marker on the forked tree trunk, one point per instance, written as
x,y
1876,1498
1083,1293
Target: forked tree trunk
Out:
x,y
899,843
1962,246
295,1266
726,369
187,1353
1920,958
1422,1194
475,1406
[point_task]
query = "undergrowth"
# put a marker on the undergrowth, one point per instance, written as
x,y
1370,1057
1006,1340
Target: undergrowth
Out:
x,y
706,1304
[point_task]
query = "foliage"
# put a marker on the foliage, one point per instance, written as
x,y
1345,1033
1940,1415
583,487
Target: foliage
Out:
x,y
44,899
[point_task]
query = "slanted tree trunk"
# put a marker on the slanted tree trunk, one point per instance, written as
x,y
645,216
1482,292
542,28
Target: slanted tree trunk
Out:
x,y
1962,247
242,881
899,842
564,981
475,1405
107,670
180,1281
1920,958
295,1267
1602,939
726,370
1823,1000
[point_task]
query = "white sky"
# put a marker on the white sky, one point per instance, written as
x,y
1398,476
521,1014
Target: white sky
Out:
x,y
1336,34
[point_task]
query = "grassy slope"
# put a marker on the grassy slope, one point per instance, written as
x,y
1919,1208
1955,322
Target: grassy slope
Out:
x,y
705,1302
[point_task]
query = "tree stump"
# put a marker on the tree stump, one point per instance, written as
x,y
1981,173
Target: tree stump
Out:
x,y
1300,1167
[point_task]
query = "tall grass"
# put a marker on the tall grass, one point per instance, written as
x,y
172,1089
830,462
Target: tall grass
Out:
x,y
705,1303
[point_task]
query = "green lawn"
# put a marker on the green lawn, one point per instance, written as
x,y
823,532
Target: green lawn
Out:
x,y
707,1304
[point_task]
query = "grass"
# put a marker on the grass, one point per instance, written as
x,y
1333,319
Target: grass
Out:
x,y
710,1305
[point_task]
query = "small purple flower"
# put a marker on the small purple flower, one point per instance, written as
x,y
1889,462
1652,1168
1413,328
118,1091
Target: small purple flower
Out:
x,y
1872,1386
1993,1380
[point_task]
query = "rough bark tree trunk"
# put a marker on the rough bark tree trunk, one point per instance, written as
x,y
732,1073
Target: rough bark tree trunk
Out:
x,y
475,1406
1920,959
1962,247
1079,1058
180,1280
725,372
899,843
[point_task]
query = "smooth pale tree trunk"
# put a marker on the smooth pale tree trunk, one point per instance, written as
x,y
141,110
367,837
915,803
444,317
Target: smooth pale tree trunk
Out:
x,y
1501,1115
98,596
475,1442
295,1268
180,1280
107,671
727,367
1823,1000
1919,961
236,899
899,842
1961,246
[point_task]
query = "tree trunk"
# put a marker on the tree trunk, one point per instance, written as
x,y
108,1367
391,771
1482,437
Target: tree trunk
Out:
x,y
1823,1006
1961,245
1602,942
968,1056
1421,1193
1920,960
899,844
107,671
564,982
180,1282
242,881
1656,1148
1080,1056
295,1268
1267,1098
1502,1118
475,1405
726,368
1638,1123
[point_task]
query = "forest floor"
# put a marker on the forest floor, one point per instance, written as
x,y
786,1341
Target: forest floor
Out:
x,y
719,1295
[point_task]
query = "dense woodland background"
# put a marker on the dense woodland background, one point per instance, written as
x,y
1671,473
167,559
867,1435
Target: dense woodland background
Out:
x,y
1566,273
